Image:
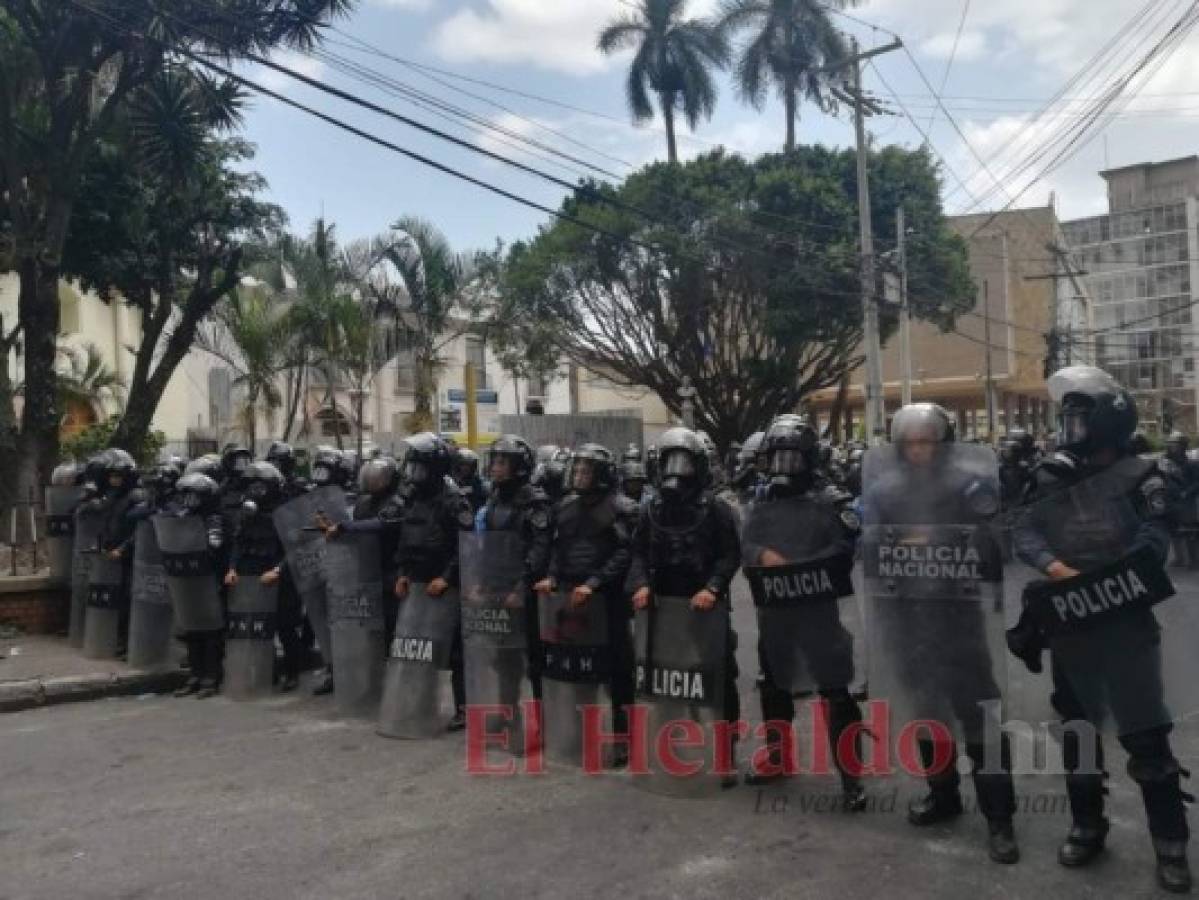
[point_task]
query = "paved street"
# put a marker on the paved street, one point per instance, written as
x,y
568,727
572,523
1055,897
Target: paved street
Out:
x,y
156,797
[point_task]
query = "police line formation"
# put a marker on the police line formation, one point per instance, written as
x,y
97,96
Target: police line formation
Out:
x,y
589,583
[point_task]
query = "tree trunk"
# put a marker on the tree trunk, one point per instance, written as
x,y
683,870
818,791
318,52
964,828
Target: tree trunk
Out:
x,y
672,149
837,412
361,403
295,384
8,421
791,104
40,416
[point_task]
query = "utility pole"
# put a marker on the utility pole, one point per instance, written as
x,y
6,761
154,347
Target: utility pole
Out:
x,y
862,106
990,384
905,314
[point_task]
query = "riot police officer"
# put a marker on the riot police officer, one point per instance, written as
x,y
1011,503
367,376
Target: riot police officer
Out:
x,y
515,504
122,497
549,471
1093,503
633,480
927,491
686,544
327,467
433,514
468,479
256,549
289,619
1182,484
593,534
200,496
801,519
749,468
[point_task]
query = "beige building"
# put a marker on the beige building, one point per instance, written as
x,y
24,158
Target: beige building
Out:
x,y
1028,290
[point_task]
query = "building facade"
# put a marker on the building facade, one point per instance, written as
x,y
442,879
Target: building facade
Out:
x,y
1141,260
1028,296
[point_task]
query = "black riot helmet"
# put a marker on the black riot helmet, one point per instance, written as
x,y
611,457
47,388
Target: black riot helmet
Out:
x,y
792,454
1138,444
198,494
283,457
592,471
120,471
326,463
919,430
264,485
466,465
208,465
682,465
347,469
378,477
66,474
519,456
651,462
1023,442
164,477
632,453
427,462
632,480
234,461
1177,445
1096,413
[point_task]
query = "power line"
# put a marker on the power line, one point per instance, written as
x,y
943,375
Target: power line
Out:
x,y
953,52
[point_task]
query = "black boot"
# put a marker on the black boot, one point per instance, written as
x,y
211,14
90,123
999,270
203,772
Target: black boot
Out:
x,y
1084,842
1001,843
853,795
776,771
1173,870
207,688
458,722
322,683
189,687
939,805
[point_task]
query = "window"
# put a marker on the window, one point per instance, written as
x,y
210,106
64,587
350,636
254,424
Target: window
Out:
x,y
331,422
405,372
536,386
476,355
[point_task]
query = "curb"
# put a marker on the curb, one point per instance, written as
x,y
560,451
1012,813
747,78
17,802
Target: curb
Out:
x,y
16,696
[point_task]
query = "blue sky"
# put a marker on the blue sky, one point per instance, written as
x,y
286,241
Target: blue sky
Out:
x,y
1014,54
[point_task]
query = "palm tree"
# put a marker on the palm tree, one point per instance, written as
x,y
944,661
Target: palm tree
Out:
x,y
85,380
250,336
791,45
425,283
674,59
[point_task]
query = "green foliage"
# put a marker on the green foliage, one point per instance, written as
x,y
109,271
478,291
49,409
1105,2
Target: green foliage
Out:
x,y
751,288
99,437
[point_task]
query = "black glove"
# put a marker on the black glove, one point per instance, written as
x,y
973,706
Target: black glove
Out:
x,y
1026,642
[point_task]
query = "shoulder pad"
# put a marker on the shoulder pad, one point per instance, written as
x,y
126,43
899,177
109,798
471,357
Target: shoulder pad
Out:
x,y
850,519
1153,490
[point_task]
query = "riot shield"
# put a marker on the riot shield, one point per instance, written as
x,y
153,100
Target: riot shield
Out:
x,y
150,615
798,559
355,603
89,519
1121,636
191,579
61,500
305,548
495,640
934,586
250,638
417,681
101,627
576,669
680,679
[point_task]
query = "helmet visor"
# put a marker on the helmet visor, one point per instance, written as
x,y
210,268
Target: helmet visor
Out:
x,y
788,461
322,474
1074,426
415,471
582,475
677,464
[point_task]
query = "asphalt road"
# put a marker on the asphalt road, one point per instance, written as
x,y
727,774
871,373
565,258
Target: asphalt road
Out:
x,y
156,797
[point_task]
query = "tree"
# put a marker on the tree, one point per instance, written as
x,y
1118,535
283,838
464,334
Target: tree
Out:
x,y
674,59
84,378
162,222
429,291
66,70
791,45
757,319
250,336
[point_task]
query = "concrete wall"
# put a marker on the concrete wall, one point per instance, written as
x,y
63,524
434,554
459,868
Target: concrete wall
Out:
x,y
613,432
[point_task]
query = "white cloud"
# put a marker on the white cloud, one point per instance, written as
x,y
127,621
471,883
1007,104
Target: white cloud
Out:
x,y
404,4
299,62
970,47
558,35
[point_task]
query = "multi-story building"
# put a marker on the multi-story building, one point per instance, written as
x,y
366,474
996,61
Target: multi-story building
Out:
x,y
1141,260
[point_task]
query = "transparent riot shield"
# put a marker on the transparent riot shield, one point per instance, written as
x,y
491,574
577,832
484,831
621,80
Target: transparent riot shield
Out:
x,y
576,671
354,587
305,549
416,692
250,638
1121,636
191,578
495,641
89,519
151,618
61,500
797,555
101,627
676,725
934,587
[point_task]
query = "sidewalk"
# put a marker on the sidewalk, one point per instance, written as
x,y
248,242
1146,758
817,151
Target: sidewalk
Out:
x,y
37,670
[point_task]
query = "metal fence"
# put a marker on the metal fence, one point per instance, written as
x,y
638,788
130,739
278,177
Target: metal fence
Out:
x,y
613,432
